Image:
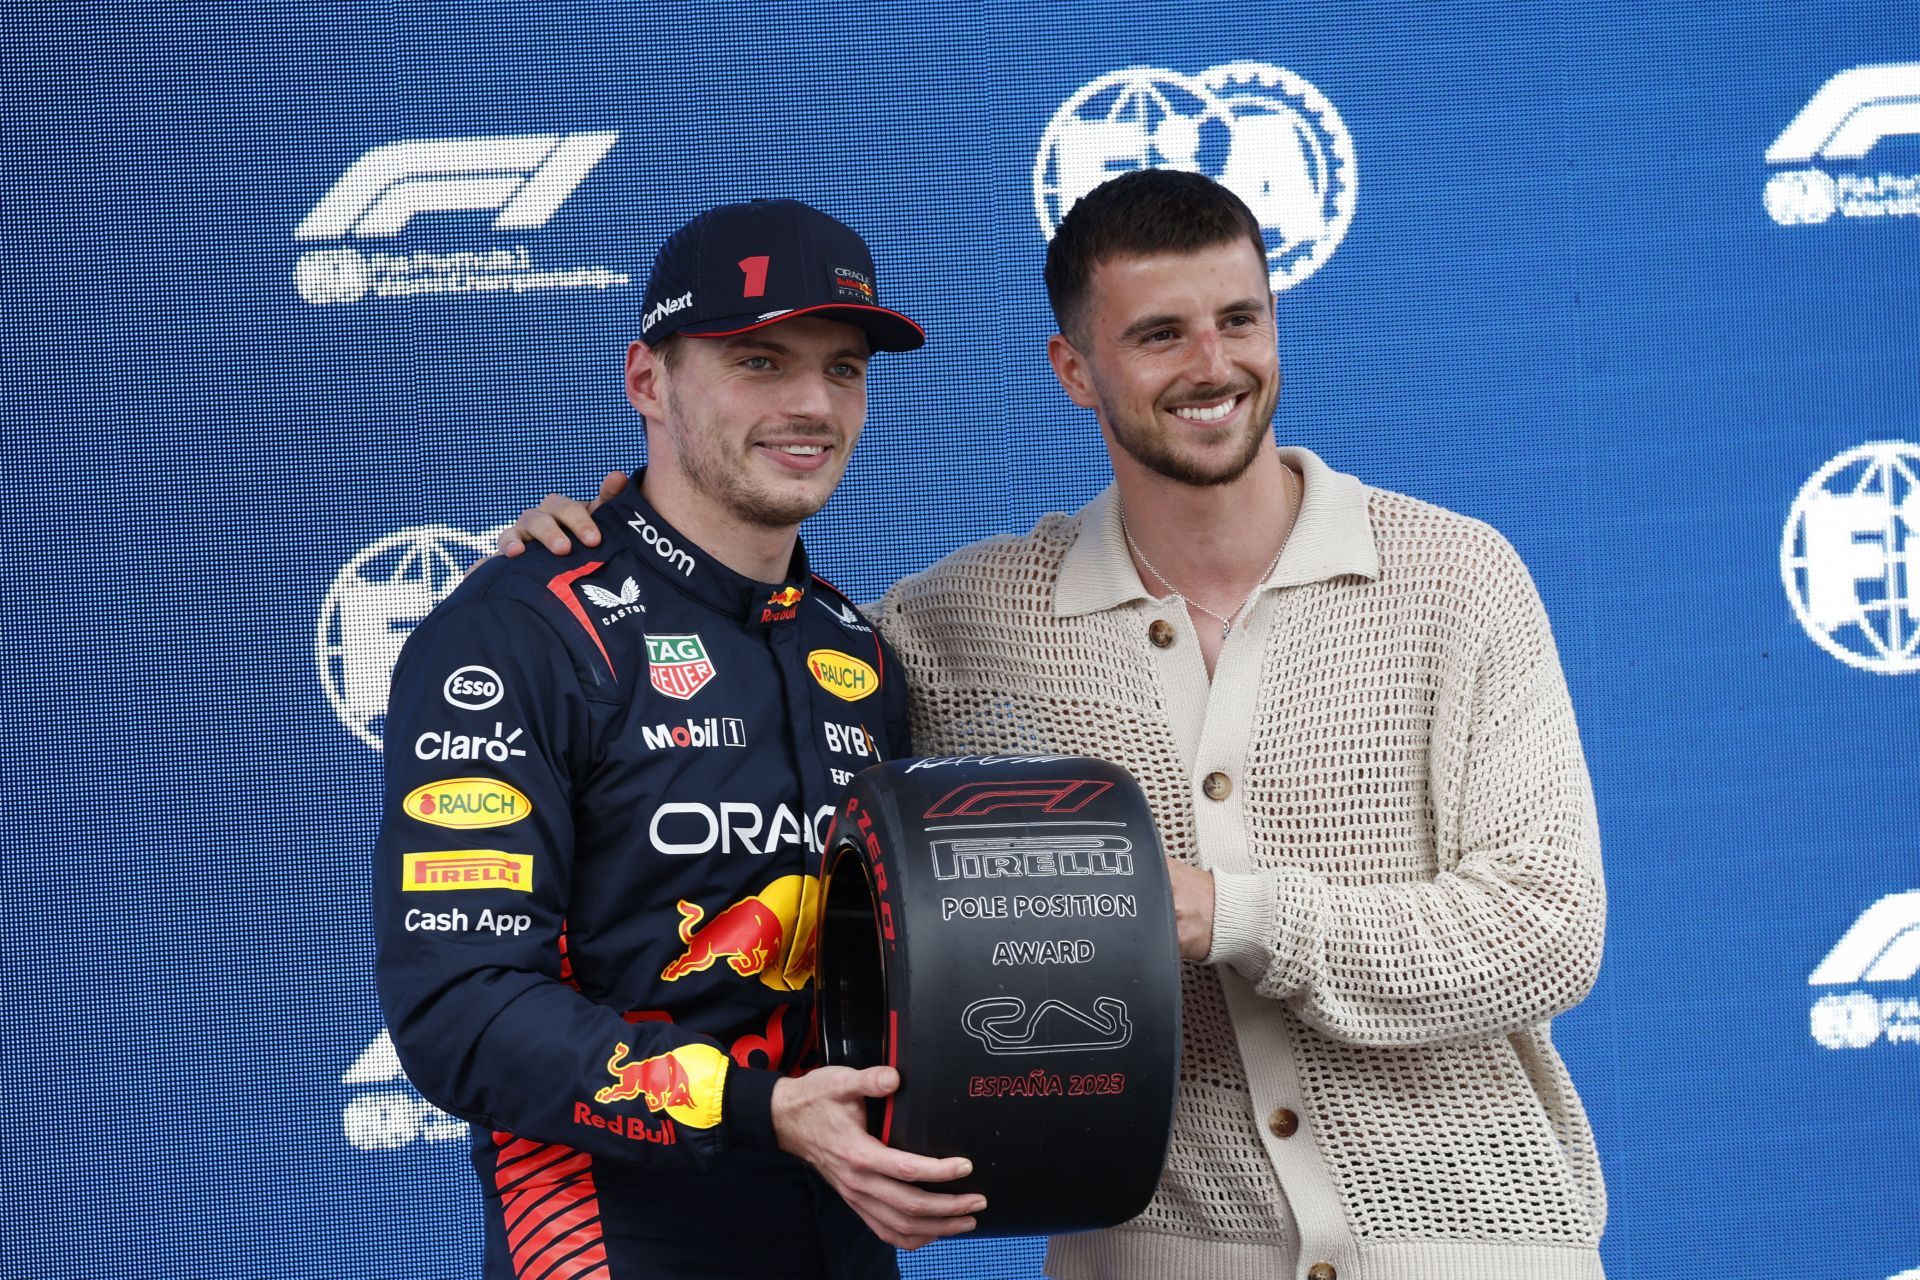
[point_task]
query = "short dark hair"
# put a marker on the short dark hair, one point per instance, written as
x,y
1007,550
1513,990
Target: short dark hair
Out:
x,y
667,350
1142,213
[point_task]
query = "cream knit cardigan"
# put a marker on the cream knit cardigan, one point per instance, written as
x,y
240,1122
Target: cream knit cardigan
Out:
x,y
1411,889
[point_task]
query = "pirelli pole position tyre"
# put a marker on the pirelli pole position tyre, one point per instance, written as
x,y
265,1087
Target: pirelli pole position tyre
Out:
x,y
1001,930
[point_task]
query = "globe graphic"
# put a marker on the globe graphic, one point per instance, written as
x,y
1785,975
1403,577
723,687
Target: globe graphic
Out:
x,y
1848,553
377,599
1261,131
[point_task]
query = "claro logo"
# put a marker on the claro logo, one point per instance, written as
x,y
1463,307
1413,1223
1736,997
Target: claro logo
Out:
x,y
467,803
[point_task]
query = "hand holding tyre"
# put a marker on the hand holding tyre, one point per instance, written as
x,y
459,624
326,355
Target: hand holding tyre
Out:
x,y
821,1117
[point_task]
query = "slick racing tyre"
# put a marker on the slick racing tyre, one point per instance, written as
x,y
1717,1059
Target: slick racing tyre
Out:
x,y
1000,929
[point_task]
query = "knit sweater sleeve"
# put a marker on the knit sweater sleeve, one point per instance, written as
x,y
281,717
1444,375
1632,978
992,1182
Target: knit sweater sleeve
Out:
x,y
1509,931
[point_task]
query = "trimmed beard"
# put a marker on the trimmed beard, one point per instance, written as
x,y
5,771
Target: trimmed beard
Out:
x,y
1151,450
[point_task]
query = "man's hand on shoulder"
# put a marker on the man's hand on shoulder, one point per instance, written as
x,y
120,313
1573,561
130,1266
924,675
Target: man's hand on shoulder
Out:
x,y
558,516
822,1118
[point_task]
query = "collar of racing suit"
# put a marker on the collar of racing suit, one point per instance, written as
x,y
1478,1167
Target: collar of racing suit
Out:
x,y
677,559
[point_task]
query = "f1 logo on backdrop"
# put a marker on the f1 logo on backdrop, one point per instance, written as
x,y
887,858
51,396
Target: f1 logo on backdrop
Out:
x,y
1852,113
376,600
525,178
1848,555
1261,131
522,179
1882,947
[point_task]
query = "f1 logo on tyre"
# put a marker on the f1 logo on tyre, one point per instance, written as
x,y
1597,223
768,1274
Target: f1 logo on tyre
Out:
x,y
1049,795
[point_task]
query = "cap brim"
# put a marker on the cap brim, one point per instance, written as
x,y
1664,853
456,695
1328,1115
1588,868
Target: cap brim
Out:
x,y
886,330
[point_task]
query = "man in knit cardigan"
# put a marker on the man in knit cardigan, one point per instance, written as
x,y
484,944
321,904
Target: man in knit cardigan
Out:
x,y
1346,709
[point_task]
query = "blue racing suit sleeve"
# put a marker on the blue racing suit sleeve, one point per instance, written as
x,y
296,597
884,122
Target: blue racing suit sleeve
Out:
x,y
488,727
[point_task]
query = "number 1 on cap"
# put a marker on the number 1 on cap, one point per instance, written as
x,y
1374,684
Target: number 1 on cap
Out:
x,y
755,270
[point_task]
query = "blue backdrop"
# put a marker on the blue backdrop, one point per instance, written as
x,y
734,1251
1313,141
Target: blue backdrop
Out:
x,y
1639,289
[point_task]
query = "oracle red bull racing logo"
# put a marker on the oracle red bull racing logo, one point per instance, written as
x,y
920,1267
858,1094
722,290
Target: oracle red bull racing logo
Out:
x,y
684,1083
678,666
770,935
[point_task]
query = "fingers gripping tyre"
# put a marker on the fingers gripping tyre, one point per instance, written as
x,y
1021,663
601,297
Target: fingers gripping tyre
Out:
x,y
1000,929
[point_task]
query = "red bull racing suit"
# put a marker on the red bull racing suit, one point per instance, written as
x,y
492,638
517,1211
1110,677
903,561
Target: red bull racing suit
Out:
x,y
608,780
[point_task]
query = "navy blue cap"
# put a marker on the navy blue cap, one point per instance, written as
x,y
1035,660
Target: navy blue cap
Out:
x,y
744,266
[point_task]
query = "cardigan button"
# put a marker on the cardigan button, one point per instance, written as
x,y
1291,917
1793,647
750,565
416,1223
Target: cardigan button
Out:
x,y
1283,1123
1217,786
1322,1271
1161,633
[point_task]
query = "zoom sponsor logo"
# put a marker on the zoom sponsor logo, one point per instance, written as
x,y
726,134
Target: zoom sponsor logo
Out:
x,y
386,1113
1829,143
1869,992
521,179
662,546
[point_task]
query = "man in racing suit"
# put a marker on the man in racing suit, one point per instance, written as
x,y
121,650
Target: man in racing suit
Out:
x,y
609,778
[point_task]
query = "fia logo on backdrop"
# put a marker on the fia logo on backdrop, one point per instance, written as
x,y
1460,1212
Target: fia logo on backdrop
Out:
x,y
1849,553
1866,983
443,182
1261,131
376,600
1829,144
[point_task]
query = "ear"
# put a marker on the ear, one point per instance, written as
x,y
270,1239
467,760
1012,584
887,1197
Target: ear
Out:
x,y
1070,367
645,377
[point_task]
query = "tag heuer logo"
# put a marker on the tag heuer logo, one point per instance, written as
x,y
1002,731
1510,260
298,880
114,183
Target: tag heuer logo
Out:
x,y
678,665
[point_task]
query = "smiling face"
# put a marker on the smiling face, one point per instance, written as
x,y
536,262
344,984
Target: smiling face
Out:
x,y
1176,355
760,425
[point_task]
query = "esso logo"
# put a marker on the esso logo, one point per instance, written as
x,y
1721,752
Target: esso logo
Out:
x,y
473,688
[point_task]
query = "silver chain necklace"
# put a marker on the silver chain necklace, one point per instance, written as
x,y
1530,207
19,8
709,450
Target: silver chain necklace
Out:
x,y
1226,621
